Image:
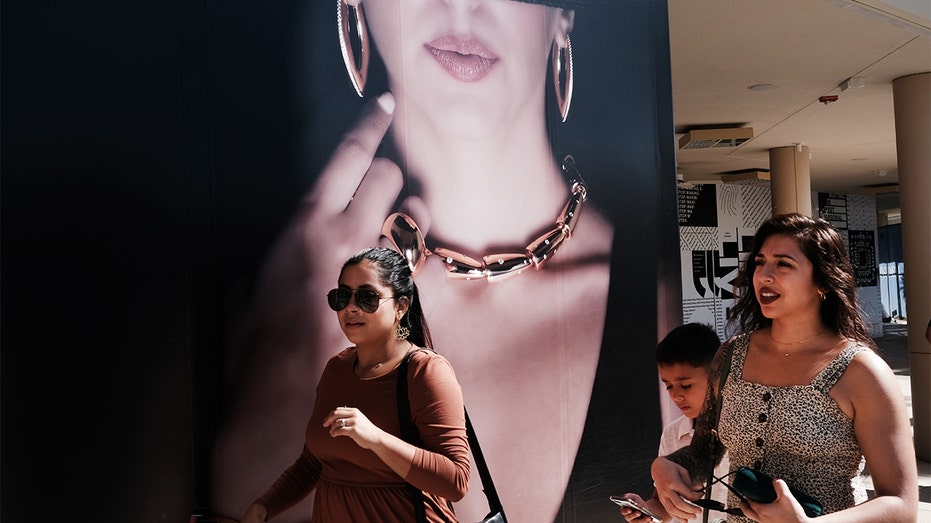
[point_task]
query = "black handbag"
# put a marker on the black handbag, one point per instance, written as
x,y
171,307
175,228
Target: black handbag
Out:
x,y
410,435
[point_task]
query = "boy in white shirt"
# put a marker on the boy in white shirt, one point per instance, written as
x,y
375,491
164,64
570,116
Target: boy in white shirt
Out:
x,y
683,358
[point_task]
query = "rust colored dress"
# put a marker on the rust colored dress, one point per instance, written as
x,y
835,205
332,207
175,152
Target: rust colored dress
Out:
x,y
352,484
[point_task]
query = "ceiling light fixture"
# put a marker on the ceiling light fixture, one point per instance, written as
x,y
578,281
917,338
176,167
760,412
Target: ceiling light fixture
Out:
x,y
761,87
880,188
854,82
713,138
754,178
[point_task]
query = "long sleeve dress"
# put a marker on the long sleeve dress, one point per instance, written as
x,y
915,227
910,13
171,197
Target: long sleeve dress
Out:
x,y
352,484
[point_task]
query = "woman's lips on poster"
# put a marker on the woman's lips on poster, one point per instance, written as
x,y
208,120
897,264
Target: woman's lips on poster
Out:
x,y
467,60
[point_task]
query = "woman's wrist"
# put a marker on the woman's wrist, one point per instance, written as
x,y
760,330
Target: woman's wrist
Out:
x,y
259,510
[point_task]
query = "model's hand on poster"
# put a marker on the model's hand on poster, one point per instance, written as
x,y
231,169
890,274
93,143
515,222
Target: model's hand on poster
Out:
x,y
341,214
353,174
355,192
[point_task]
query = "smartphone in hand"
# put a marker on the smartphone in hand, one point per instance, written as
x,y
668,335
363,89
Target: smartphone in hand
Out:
x,y
624,502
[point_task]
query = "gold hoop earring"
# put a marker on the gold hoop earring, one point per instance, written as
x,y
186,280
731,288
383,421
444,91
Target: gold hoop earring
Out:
x,y
823,295
347,17
562,76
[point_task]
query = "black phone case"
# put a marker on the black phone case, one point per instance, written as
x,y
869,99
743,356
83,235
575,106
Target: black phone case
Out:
x,y
757,486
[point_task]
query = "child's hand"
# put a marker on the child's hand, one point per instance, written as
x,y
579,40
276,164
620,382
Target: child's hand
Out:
x,y
673,489
633,515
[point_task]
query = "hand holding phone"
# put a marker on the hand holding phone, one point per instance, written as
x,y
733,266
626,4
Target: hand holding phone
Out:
x,y
624,502
754,485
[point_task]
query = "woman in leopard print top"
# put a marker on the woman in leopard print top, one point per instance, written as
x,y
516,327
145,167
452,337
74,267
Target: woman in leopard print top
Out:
x,y
807,397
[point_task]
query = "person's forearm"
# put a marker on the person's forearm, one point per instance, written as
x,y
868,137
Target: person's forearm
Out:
x,y
438,474
882,509
395,452
444,473
293,485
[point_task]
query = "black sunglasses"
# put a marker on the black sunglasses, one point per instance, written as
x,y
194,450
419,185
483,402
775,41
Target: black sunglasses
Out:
x,y
754,485
366,299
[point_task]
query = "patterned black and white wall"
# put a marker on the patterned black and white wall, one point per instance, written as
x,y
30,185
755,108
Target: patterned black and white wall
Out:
x,y
716,224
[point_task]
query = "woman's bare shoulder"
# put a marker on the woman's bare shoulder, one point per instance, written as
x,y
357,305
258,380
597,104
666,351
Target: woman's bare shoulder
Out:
x,y
869,378
869,364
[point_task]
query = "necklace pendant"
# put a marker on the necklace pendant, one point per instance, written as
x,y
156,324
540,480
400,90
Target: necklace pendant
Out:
x,y
459,266
502,266
572,210
546,245
406,238
799,342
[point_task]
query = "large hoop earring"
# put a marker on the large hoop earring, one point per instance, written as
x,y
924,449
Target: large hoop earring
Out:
x,y
347,17
562,76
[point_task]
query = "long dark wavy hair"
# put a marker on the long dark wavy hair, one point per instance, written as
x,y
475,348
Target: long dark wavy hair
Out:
x,y
824,247
394,272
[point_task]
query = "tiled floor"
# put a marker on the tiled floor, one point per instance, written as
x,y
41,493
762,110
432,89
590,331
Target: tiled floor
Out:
x,y
894,345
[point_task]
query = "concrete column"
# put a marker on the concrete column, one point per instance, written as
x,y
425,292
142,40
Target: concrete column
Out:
x,y
790,179
912,105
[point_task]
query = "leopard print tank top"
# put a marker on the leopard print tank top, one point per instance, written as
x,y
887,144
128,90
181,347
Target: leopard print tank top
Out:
x,y
797,433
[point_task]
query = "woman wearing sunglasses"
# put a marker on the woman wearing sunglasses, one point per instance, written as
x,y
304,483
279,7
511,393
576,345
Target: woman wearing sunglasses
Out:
x,y
806,397
353,458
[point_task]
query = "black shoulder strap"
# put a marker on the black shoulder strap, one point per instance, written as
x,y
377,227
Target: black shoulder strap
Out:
x,y
409,433
494,502
719,399
725,370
